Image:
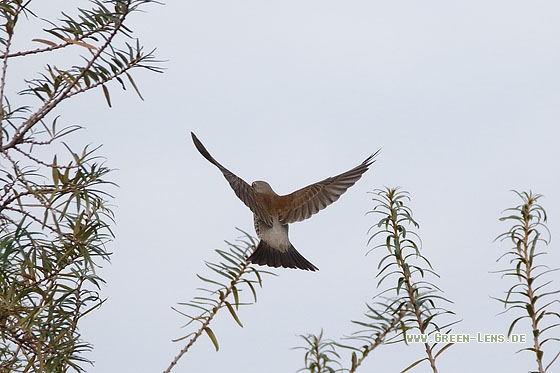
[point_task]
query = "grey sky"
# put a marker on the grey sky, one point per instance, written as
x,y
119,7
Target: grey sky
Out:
x,y
463,98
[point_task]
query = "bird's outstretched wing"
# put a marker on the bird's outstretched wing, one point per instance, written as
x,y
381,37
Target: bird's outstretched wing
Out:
x,y
303,203
243,190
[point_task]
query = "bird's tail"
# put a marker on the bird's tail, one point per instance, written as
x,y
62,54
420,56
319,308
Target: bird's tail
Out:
x,y
266,255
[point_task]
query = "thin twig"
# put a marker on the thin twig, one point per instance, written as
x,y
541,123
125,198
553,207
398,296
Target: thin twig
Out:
x,y
378,341
209,318
67,92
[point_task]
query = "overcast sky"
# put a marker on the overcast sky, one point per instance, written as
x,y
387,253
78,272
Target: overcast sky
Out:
x,y
462,97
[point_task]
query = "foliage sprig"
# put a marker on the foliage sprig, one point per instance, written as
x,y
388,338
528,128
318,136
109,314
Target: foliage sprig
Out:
x,y
320,354
415,296
411,304
531,295
233,275
55,220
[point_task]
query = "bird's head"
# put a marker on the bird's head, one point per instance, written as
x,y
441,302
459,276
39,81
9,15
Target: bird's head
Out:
x,y
262,187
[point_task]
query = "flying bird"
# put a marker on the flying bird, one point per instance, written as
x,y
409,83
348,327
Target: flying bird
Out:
x,y
272,213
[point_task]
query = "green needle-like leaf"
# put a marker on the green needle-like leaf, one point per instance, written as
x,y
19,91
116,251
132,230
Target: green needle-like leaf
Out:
x,y
212,337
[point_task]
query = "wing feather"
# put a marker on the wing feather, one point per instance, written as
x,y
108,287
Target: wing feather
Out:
x,y
305,202
243,190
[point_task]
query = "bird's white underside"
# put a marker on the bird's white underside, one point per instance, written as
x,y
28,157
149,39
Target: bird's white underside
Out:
x,y
276,236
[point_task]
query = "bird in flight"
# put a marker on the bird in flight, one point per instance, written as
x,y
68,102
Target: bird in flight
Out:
x,y
272,213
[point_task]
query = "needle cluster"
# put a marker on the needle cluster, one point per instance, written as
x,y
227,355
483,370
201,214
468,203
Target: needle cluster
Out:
x,y
55,220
